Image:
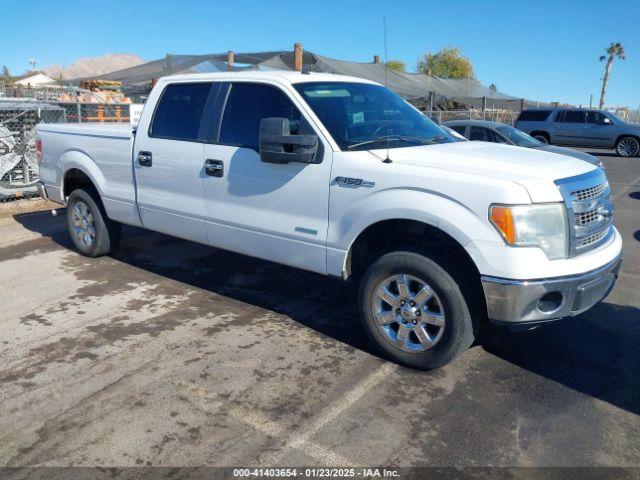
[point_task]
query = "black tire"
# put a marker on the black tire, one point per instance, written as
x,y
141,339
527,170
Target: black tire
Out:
x,y
541,137
627,147
458,332
107,232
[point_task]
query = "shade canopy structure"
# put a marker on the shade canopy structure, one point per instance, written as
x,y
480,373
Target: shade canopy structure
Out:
x,y
420,89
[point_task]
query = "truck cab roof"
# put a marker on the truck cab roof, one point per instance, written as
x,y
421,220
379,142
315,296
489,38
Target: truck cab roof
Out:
x,y
283,76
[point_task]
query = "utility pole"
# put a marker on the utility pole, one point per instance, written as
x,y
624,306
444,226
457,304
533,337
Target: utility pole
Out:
x,y
34,63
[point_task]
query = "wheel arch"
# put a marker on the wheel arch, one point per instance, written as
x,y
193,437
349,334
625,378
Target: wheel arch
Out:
x,y
424,238
623,135
544,133
80,169
385,235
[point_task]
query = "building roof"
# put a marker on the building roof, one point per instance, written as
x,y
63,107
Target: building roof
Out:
x,y
416,87
36,79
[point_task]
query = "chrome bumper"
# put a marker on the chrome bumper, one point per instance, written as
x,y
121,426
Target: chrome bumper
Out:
x,y
523,301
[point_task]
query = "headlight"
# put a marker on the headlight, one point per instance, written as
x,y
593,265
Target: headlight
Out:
x,y
543,226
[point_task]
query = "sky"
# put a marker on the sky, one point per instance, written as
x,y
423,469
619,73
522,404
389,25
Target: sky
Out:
x,y
542,50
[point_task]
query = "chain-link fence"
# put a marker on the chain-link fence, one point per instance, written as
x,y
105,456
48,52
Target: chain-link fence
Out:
x,y
18,163
494,115
22,107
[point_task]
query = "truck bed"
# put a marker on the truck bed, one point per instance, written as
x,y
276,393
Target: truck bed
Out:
x,y
107,130
100,151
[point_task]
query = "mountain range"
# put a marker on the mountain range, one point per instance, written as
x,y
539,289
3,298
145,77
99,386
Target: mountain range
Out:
x,y
93,66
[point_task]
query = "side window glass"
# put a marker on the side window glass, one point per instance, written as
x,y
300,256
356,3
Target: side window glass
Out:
x,y
595,118
560,116
247,105
179,111
574,116
478,133
496,137
460,129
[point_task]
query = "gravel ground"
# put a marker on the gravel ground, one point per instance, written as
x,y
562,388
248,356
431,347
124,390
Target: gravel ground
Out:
x,y
170,353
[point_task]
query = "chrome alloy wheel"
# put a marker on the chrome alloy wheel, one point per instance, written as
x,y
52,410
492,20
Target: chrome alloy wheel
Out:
x,y
408,313
83,225
628,147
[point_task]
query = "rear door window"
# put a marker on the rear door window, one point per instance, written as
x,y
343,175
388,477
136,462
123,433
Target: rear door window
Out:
x,y
533,115
574,116
179,111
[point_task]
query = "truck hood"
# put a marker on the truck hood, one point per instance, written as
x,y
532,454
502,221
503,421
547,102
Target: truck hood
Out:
x,y
535,170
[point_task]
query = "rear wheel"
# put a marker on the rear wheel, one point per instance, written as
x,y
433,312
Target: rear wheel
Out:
x,y
91,231
541,137
627,147
414,311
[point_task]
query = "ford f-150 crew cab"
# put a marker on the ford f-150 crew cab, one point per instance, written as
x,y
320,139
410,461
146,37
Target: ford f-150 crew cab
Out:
x,y
340,176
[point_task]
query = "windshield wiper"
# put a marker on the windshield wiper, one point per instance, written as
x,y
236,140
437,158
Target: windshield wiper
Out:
x,y
393,138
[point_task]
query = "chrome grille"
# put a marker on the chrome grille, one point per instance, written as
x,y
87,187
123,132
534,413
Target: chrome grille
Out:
x,y
590,193
591,239
588,202
586,218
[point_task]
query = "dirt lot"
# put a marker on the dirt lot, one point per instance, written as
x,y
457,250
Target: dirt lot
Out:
x,y
172,353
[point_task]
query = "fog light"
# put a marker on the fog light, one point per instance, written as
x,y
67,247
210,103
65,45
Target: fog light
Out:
x,y
550,302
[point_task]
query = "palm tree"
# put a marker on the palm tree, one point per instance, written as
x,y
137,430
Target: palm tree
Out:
x,y
614,50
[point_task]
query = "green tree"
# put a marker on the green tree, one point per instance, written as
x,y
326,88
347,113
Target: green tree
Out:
x,y
397,65
447,63
6,75
615,50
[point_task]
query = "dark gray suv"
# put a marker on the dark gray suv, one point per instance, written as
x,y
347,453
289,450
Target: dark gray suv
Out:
x,y
581,127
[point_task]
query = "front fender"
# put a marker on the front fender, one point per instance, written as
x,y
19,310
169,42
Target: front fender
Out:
x,y
445,213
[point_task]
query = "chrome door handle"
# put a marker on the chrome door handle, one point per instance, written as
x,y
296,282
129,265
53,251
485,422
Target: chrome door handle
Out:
x,y
145,159
213,168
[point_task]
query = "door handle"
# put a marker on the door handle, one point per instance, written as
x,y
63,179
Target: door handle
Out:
x,y
213,168
145,159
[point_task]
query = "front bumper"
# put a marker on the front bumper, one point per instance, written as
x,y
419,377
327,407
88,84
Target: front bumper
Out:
x,y
529,301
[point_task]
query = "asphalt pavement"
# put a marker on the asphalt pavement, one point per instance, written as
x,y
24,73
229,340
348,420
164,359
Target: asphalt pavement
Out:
x,y
171,353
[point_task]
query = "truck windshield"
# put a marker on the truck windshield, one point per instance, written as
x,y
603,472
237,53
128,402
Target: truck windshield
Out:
x,y
362,116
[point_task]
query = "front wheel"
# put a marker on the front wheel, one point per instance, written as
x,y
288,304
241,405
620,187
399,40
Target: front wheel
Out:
x,y
414,311
92,232
627,147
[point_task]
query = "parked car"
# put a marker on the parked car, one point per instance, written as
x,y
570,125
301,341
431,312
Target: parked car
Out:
x,y
486,131
582,128
340,176
455,134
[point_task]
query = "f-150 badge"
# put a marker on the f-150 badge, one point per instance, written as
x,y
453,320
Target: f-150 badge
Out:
x,y
352,182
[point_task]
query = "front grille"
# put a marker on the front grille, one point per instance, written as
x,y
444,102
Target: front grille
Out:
x,y
590,193
585,218
588,202
591,239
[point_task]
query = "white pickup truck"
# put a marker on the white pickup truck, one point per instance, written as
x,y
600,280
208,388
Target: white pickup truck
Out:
x,y
340,176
